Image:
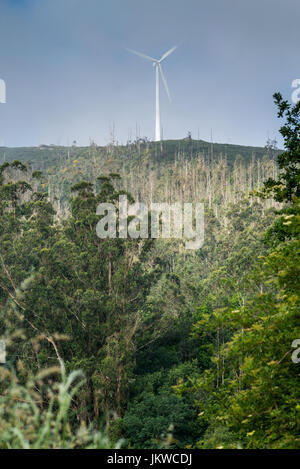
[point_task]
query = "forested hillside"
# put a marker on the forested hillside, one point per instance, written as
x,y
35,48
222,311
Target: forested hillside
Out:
x,y
170,171
178,348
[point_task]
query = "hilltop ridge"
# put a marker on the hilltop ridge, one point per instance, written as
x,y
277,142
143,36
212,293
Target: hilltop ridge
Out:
x,y
46,155
170,171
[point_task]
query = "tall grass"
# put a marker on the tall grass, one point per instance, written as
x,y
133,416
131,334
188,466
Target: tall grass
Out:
x,y
36,414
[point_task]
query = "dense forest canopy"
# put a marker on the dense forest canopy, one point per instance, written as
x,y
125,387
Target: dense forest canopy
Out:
x,y
175,348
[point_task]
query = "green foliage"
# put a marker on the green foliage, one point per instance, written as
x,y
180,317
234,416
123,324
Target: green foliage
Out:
x,y
288,184
155,410
179,348
36,414
249,396
148,421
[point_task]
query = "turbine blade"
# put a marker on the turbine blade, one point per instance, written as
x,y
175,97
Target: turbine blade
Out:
x,y
167,53
164,81
140,54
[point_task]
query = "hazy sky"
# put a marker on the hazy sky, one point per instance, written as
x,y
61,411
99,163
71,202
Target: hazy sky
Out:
x,y
69,77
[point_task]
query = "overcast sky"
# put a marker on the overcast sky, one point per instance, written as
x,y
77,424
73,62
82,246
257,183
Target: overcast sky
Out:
x,y
69,77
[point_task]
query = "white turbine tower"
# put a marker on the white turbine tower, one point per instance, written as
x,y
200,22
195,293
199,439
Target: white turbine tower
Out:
x,y
158,70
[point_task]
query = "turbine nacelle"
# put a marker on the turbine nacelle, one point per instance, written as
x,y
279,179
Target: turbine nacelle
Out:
x,y
157,63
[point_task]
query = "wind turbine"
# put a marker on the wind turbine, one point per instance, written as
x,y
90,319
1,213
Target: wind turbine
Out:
x,y
158,70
